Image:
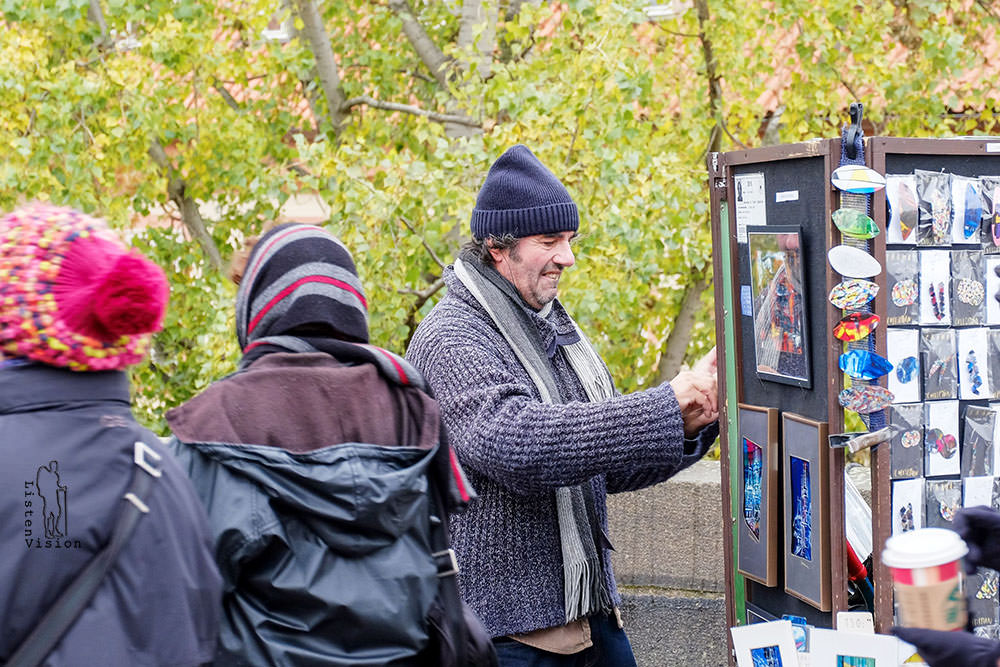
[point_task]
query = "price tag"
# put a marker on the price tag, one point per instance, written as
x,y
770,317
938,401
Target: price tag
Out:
x,y
859,622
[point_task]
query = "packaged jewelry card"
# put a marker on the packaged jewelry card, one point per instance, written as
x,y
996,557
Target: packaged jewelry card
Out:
x,y
972,357
991,270
989,188
968,288
934,203
902,269
981,491
902,348
906,450
938,362
992,363
995,407
977,443
941,439
966,210
901,195
935,287
907,505
943,498
981,593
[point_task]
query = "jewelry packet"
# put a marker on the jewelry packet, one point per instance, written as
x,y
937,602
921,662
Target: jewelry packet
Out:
x,y
902,347
977,441
902,268
992,362
908,505
968,288
941,433
944,497
935,287
939,363
966,210
906,454
901,200
989,192
972,350
934,203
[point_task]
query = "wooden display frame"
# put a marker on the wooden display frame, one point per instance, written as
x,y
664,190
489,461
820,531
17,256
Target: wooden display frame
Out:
x,y
758,554
807,564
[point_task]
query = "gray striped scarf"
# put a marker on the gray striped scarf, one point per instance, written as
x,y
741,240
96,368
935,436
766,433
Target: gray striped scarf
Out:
x,y
584,588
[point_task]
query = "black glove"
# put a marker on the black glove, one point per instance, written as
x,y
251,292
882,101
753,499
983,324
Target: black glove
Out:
x,y
980,528
939,648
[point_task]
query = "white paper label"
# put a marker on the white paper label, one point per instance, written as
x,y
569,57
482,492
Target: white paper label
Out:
x,y
787,195
855,621
993,148
750,203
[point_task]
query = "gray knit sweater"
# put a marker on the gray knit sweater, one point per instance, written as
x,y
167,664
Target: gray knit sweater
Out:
x,y
517,450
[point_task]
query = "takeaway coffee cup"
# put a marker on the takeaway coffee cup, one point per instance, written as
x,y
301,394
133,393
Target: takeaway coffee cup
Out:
x,y
926,568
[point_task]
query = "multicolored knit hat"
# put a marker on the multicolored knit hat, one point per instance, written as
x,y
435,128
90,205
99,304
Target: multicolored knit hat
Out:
x,y
72,294
300,280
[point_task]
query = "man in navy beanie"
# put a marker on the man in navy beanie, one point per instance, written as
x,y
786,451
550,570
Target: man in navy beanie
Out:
x,y
535,419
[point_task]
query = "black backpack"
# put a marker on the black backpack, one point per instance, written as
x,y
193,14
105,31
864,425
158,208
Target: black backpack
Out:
x,y
457,636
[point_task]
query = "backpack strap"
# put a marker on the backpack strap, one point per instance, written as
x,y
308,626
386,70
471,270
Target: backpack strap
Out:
x,y
64,612
447,565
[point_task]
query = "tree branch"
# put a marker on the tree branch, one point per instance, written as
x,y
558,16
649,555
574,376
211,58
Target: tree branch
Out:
x,y
476,13
676,346
326,65
226,96
190,215
410,109
711,71
435,60
427,247
422,294
96,14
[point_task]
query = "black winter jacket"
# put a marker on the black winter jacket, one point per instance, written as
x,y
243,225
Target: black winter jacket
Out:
x,y
322,543
68,440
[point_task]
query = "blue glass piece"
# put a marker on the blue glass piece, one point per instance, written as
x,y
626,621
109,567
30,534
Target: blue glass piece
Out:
x,y
864,365
801,508
906,369
973,210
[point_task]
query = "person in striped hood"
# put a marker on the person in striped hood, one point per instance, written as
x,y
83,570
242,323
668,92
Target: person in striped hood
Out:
x,y
312,460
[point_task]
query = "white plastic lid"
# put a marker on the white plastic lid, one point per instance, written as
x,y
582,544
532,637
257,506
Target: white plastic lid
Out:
x,y
925,547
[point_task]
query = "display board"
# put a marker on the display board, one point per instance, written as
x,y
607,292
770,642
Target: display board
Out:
x,y
945,409
920,352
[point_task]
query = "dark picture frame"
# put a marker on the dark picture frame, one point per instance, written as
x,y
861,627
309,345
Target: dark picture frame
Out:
x,y
778,290
806,487
759,494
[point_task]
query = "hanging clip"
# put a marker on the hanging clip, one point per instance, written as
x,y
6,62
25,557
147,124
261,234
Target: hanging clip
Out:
x,y
854,130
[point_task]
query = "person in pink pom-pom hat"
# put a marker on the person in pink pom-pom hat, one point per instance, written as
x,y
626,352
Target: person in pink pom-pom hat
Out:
x,y
82,483
72,294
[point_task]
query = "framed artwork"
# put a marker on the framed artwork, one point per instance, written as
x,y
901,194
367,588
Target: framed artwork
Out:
x,y
833,648
806,510
781,344
768,644
758,529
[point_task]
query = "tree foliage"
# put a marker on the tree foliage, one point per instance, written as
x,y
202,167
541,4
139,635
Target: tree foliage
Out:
x,y
187,128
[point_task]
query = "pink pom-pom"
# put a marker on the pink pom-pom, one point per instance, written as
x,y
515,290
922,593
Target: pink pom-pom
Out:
x,y
132,297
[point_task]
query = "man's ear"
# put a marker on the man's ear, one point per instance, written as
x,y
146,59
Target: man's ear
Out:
x,y
497,253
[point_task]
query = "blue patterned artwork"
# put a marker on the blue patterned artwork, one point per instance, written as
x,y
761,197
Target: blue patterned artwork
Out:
x,y
801,509
766,656
854,661
752,482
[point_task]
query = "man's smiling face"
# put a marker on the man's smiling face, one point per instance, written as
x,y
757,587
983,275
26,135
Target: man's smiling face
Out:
x,y
535,265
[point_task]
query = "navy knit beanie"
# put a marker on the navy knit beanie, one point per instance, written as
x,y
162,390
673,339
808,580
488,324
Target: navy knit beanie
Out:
x,y
521,197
